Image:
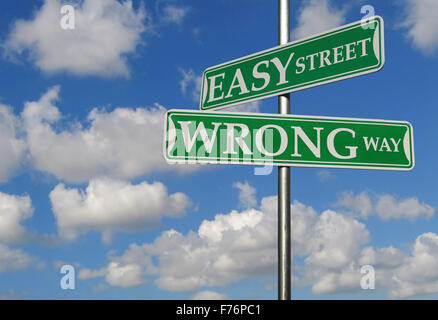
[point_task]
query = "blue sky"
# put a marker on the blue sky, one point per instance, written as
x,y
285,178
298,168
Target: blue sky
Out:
x,y
83,181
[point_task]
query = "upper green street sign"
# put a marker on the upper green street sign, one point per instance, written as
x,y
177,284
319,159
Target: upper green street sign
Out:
x,y
287,140
348,51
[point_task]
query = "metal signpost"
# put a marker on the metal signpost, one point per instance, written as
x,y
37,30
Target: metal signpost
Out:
x,y
288,140
283,198
348,51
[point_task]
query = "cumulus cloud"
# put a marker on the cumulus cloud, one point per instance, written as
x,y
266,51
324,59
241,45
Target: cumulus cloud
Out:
x,y
317,16
123,144
105,32
125,276
116,274
360,204
389,257
224,250
237,245
388,207
111,205
385,206
12,147
13,210
347,278
402,274
330,281
214,230
330,248
330,265
209,295
422,23
419,274
14,259
190,81
247,194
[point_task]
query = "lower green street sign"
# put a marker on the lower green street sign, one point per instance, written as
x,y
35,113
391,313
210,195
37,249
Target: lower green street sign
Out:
x,y
287,140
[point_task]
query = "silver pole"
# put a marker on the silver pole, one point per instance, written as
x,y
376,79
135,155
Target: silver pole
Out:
x,y
284,238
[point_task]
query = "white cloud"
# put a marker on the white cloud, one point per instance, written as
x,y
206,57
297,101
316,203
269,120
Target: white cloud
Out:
x,y
419,275
116,274
105,31
360,203
337,240
247,194
317,16
385,206
123,144
14,259
112,205
411,289
403,275
328,281
237,245
125,276
214,230
209,295
128,270
389,257
12,147
14,210
191,81
335,244
422,22
388,207
174,14
347,278
224,250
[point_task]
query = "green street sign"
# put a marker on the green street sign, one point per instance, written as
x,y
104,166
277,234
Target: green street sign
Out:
x,y
287,140
348,51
